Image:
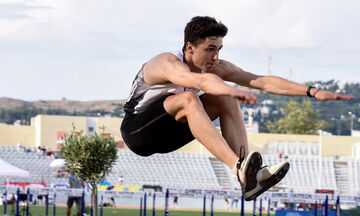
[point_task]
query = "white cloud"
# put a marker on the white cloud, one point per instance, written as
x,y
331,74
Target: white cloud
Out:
x,y
86,38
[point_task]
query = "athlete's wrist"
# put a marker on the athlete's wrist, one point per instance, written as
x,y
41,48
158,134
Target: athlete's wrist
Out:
x,y
233,91
310,91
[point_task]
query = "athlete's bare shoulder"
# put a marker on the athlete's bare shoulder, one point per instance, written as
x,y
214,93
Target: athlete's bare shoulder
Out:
x,y
155,69
163,57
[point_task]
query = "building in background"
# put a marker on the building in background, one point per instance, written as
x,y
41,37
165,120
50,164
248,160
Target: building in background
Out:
x,y
47,130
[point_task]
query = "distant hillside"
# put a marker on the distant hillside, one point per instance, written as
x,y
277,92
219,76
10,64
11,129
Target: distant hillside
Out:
x,y
66,105
20,112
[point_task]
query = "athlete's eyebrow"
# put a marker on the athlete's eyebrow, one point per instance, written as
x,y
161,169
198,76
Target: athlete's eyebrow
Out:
x,y
212,45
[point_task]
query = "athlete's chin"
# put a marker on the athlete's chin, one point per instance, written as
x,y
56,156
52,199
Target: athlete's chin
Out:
x,y
209,68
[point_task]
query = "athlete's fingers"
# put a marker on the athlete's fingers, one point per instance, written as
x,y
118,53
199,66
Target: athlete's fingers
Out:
x,y
244,97
255,99
252,99
326,95
345,97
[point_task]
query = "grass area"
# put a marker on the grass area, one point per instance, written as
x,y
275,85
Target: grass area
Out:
x,y
40,211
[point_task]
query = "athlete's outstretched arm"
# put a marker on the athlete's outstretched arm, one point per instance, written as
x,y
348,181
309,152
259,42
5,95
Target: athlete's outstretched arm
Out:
x,y
166,68
272,84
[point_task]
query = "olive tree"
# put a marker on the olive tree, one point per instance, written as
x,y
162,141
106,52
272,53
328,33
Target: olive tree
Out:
x,y
300,118
90,157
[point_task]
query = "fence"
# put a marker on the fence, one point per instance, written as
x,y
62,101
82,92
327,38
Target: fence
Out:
x,y
267,197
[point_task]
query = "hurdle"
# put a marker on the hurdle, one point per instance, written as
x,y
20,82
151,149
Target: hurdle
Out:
x,y
254,207
5,203
17,201
145,198
91,205
101,205
167,202
141,205
153,210
83,203
27,201
212,206
338,206
54,210
204,205
47,204
242,211
326,206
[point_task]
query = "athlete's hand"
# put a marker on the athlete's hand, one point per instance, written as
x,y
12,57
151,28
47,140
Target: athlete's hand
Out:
x,y
244,97
326,95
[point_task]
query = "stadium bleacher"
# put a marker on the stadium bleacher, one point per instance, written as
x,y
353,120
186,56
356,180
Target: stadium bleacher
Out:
x,y
304,172
340,175
173,169
39,167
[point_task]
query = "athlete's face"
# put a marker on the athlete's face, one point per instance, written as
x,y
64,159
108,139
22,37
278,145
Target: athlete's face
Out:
x,y
206,54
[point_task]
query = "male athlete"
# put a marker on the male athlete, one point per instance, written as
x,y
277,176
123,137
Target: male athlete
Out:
x,y
175,97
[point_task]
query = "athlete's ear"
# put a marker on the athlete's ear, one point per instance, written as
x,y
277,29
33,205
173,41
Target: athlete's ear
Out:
x,y
189,47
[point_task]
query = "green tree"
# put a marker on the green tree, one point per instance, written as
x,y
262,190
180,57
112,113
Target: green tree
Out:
x,y
90,157
299,119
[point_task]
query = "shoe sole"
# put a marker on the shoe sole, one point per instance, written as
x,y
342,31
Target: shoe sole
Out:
x,y
273,180
254,165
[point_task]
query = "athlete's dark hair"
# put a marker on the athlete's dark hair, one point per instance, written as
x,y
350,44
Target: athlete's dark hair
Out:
x,y
201,27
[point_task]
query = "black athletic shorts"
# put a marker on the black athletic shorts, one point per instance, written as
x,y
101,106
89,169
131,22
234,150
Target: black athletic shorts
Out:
x,y
154,131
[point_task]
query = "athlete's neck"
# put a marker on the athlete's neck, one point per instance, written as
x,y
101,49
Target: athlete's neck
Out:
x,y
187,60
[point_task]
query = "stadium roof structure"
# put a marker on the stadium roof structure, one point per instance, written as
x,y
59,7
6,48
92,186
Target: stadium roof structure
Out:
x,y
8,170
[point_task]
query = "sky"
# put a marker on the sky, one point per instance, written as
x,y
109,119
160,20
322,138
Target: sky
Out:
x,y
91,50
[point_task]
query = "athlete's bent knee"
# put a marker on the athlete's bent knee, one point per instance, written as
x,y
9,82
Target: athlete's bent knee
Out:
x,y
189,102
191,99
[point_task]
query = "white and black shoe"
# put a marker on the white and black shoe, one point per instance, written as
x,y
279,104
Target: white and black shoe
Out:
x,y
254,179
267,177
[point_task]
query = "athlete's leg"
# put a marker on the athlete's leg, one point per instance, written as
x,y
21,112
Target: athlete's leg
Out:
x,y
231,120
233,130
187,106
